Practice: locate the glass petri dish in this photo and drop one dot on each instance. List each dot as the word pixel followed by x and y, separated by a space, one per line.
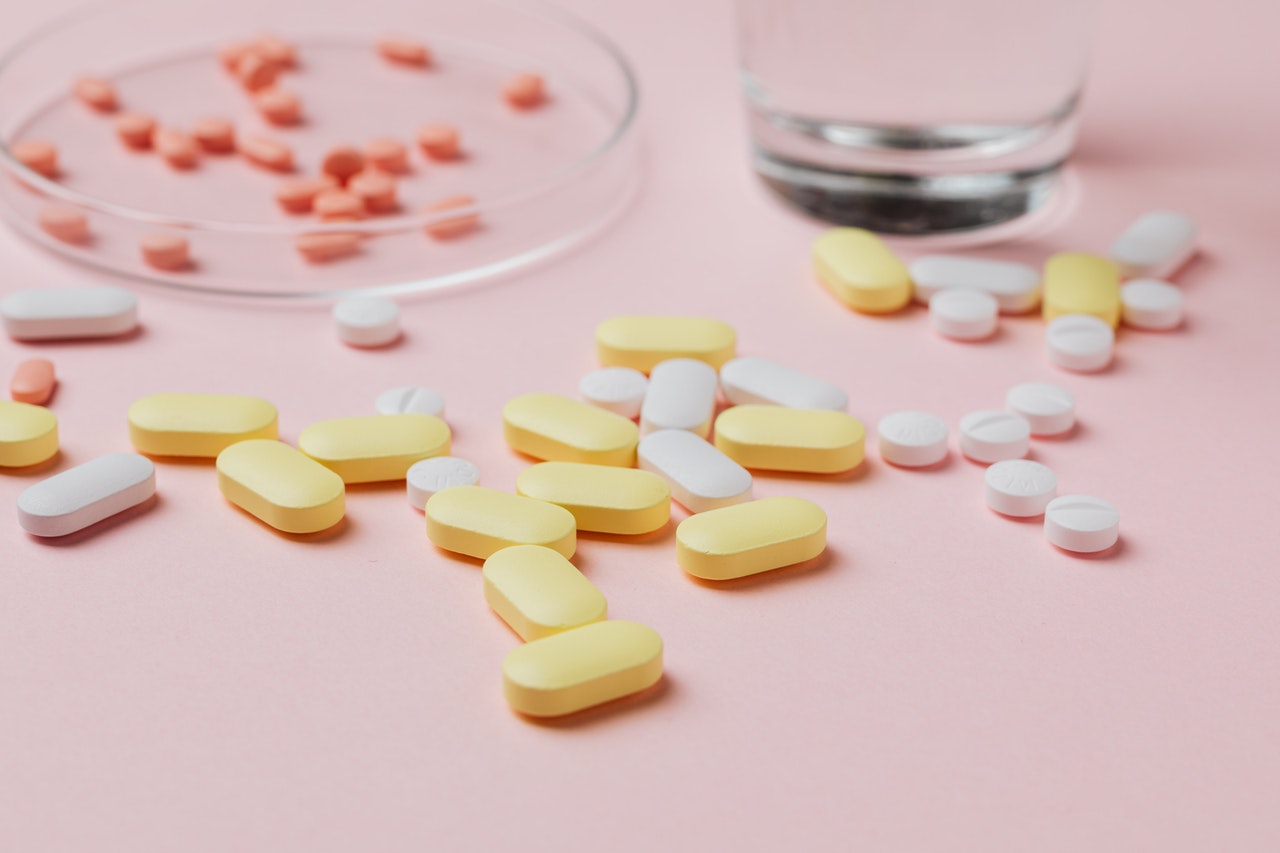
pixel 542 179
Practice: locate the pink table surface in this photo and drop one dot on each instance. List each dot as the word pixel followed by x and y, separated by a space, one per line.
pixel 185 679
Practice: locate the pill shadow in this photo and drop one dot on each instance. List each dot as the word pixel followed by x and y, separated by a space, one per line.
pixel 320 537
pixel 40 469
pixel 660 535
pixel 1122 546
pixel 818 565
pixel 1037 519
pixel 941 465
pixel 136 333
pixel 856 474
pixel 1077 430
pixel 100 528
pixel 662 690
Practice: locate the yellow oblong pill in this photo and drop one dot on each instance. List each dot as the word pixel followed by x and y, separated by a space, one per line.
pixel 477 521
pixel 1080 283
pixel 377 447
pixel 746 539
pixel 539 593
pixel 640 341
pixel 775 438
pixel 548 426
pixel 602 498
pixel 198 425
pixel 28 434
pixel 281 486
pixel 583 667
pixel 861 271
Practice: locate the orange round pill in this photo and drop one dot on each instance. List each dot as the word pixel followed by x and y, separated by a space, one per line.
pixel 278 106
pixel 376 189
pixel 438 141
pixel 321 248
pixel 177 148
pixel 96 93
pixel 165 250
pixel 230 54
pixel 452 226
pixel 254 72
pixel 37 155
pixel 33 382
pixel 524 91
pixel 296 195
pixel 65 223
pixel 267 153
pixel 338 206
pixel 275 50
pixel 404 51
pixel 135 129
pixel 215 135
pixel 389 155
pixel 342 163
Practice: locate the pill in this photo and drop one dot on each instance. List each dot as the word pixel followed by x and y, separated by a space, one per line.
pixel 751 379
pixel 198 425
pixel 538 592
pixel 749 538
pixel 229 54
pixel 86 494
pixel 72 312
pixel 297 195
pixel 963 314
pixel 1019 487
pixel 642 341
pixel 33 381
pixel 96 93
pixel 278 106
pixel 551 427
pixel 64 223
pixel 255 71
pixel 448 227
pixel 1080 283
pixel 912 439
pixel 404 51
pixel 389 155
pixel 1015 287
pixel 275 50
pixel 776 438
pixel 165 250
pixel 338 206
pixel 425 478
pixel 267 153
pixel 1147 303
pixel 215 135
pixel 581 668
pixel 410 398
pixel 1155 245
pixel 328 246
pixel 1079 342
pixel 135 129
pixel 602 498
pixel 28 434
pixel 681 395
pixel 375 189
pixel 619 390
pixel 991 435
pixel 478 522
pixel 438 141
pixel 1081 523
pixel 367 321
pixel 1049 410
pixel 524 91
pixel 176 148
pixel 38 156
pixel 700 476
pixel 375 448
pixel 342 162
pixel 281 486
pixel 861 270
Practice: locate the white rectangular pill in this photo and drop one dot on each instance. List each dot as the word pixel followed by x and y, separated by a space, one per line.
pixel 700 476
pixel 86 494
pixel 69 312
pixel 681 395
pixel 758 380
pixel 1155 245
pixel 1016 287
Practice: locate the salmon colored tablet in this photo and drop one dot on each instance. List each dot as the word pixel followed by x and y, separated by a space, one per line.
pixel 65 223
pixel 135 129
pixel 267 153
pixel 455 226
pixel 37 155
pixel 97 94
pixel 165 250
pixel 438 141
pixel 215 135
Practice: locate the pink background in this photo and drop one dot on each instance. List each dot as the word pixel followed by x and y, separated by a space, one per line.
pixel 186 679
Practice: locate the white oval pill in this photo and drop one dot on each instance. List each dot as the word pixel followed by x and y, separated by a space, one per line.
pixel 367 321
pixel 1016 287
pixel 1019 487
pixel 681 395
pixel 700 476
pixel 429 476
pixel 963 315
pixel 1148 303
pixel 1049 409
pixel 750 379
pixel 71 312
pixel 912 439
pixel 86 494
pixel 1155 245
pixel 619 390
pixel 1081 523
pixel 992 436
pixel 1079 342
pixel 410 399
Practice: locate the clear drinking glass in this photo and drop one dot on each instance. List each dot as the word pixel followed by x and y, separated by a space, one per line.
pixel 913 116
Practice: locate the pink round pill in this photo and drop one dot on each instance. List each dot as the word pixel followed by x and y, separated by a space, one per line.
pixel 97 94
pixel 177 148
pixel 524 91
pixel 278 106
pixel 438 141
pixel 404 51
pixel 33 382
pixel 455 226
pixel 376 189
pixel 322 248
pixel 65 223
pixel 342 163
pixel 254 72
pixel 36 155
pixel 267 153
pixel 215 135
pixel 296 195
pixel 165 250
pixel 389 155
pixel 275 50
pixel 135 129
pixel 338 206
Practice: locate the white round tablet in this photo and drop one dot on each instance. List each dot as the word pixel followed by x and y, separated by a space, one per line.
pixel 1019 487
pixel 410 399
pixel 1152 304
pixel 618 389
pixel 963 314
pixel 1049 409
pixel 428 476
pixel 912 439
pixel 993 436
pixel 367 321
pixel 1079 342
pixel 1081 523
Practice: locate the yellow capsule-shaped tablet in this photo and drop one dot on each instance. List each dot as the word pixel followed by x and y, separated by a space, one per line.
pixel 1080 283
pixel 281 486
pixel 28 434
pixel 641 341
pixel 602 498
pixel 577 669
pixel 861 271
pixel 539 593
pixel 775 438
pixel 477 521
pixel 199 425
pixel 375 448
pixel 745 539
pixel 548 426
